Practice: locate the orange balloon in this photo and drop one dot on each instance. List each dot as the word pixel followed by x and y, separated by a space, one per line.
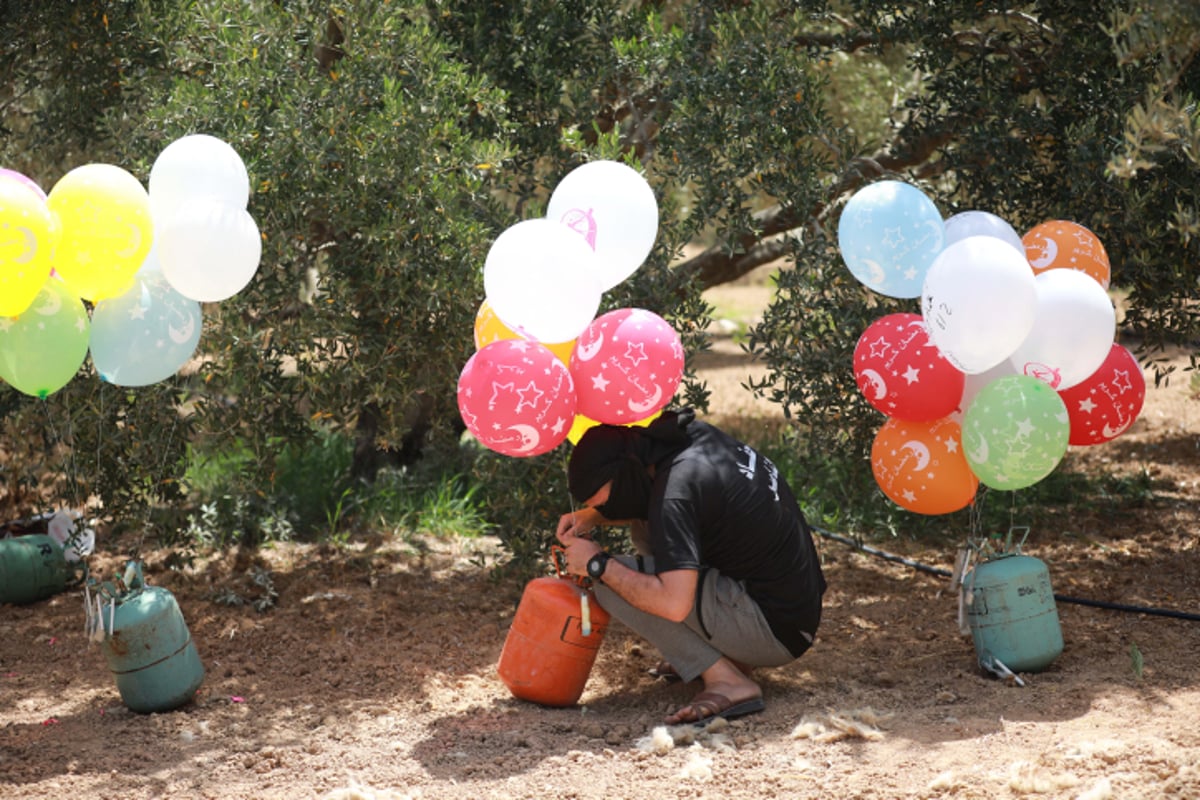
pixel 582 423
pixel 921 467
pixel 1059 244
pixel 490 328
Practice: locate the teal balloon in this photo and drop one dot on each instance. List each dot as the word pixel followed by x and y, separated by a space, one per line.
pixel 146 334
pixel 889 234
pixel 43 348
pixel 1015 432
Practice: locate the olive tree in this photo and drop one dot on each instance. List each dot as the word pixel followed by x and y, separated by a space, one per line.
pixel 390 143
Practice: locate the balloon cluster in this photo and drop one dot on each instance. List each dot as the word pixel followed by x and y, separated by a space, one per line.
pixel 1011 359
pixel 143 260
pixel 546 368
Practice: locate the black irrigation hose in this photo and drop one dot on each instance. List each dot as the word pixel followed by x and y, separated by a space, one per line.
pixel 1062 598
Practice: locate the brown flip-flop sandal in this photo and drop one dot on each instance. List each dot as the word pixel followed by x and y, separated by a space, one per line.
pixel 707 705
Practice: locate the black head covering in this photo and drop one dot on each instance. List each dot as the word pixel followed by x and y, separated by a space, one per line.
pixel 622 455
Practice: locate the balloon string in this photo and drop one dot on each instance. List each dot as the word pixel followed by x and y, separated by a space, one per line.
pixel 57 439
pixel 162 476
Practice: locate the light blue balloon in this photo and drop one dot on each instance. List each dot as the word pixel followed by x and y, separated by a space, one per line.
pixel 889 234
pixel 145 335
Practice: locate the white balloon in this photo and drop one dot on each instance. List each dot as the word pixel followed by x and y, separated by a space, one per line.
pixel 196 166
pixel 541 280
pixel 1073 329
pixel 975 383
pixel 209 250
pixel 612 207
pixel 981 223
pixel 978 301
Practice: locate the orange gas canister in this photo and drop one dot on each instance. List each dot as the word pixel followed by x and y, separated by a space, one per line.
pixel 553 641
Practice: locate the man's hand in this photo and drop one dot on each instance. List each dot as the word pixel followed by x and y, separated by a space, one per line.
pixel 577 523
pixel 578 551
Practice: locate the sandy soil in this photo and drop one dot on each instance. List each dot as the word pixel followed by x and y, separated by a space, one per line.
pixel 374 676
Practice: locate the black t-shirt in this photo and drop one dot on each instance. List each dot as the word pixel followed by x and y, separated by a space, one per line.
pixel 719 503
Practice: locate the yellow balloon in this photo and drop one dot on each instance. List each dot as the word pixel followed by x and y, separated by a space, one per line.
pixel 581 424
pixel 105 232
pixel 490 328
pixel 26 239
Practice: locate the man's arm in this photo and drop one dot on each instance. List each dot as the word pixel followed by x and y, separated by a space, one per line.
pixel 669 594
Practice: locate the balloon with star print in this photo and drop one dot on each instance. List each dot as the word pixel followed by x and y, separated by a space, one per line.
pixel 901 372
pixel 1062 244
pixel 1015 432
pixel 516 398
pixel 43 348
pixel 627 365
pixel 146 334
pixel 889 234
pixel 920 466
pixel 1105 404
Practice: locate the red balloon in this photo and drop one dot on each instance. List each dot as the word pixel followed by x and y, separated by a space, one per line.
pixel 921 467
pixel 627 365
pixel 517 398
pixel 902 373
pixel 1105 404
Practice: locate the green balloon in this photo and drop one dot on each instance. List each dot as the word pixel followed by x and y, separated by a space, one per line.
pixel 1015 432
pixel 43 348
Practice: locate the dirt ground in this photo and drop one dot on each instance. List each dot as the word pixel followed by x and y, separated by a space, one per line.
pixel 374 676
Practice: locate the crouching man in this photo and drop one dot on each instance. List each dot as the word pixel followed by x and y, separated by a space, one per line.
pixel 726 576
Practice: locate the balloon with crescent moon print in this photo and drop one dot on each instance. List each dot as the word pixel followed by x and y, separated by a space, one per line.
pixel 146 334
pixel 920 466
pixel 1073 329
pixel 889 233
pixel 901 372
pixel 1061 244
pixel 516 398
pixel 1105 404
pixel 41 350
pixel 1015 432
pixel 627 365
pixel 26 239
pixel 105 231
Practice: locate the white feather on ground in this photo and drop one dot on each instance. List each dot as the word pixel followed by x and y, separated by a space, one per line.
pixel 837 725
pixel 698 766
pixel 1027 778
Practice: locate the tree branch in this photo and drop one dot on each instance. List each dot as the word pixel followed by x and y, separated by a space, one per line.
pixel 727 262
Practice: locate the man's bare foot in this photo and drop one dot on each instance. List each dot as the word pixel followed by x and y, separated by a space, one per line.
pixel 727 693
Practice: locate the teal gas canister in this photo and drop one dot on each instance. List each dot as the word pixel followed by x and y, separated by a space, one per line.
pixel 1012 613
pixel 147 644
pixel 33 567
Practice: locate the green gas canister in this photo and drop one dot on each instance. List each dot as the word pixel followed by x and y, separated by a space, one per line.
pixel 1012 613
pixel 42 556
pixel 32 567
pixel 146 643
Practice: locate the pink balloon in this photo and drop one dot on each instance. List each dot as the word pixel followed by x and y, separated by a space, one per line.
pixel 1105 404
pixel 29 183
pixel 902 373
pixel 627 365
pixel 517 398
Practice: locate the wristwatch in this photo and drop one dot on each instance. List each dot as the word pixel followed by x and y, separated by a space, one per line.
pixel 597 564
